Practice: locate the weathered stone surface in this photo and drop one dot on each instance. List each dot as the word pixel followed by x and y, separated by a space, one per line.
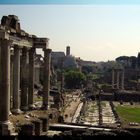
pixel 46 84
pixel 27 129
pixel 38 127
pixel 45 124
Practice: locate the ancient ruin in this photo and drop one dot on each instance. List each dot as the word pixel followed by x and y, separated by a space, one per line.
pixel 24 45
pixel 35 99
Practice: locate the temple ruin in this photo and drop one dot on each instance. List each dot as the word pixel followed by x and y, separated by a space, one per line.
pixel 23 45
pixel 117 78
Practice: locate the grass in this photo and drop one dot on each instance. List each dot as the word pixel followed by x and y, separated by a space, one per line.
pixel 103 104
pixel 128 113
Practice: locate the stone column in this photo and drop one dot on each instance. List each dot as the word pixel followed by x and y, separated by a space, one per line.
pixel 62 81
pixel 5 125
pixel 122 79
pixel 16 81
pixel 11 82
pixel 46 82
pixel 113 78
pixel 31 77
pixel 24 81
pixel 118 78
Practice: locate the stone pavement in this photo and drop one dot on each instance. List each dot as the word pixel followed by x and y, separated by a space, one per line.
pixel 72 107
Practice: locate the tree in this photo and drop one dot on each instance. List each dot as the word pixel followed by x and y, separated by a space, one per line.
pixel 133 61
pixel 74 79
pixel 138 60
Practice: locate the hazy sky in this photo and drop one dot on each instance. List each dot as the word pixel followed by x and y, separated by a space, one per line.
pixel 94 32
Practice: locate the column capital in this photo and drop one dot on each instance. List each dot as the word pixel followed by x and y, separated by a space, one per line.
pixel 16 47
pixel 4 34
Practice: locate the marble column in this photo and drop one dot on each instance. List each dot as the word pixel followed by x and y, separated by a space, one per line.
pixel 24 81
pixel 5 125
pixel 16 81
pixel 113 78
pixel 118 78
pixel 122 79
pixel 46 81
pixel 31 77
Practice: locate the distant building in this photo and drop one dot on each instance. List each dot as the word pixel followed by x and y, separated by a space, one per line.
pixel 62 61
pixel 70 62
pixel 57 59
pixel 67 50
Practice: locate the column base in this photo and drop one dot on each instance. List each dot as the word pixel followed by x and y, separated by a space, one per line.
pixel 44 107
pixel 32 107
pixel 16 111
pixel 24 108
pixel 10 113
pixel 6 128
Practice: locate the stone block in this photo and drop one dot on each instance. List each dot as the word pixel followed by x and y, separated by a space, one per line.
pixel 38 127
pixel 45 124
pixel 27 129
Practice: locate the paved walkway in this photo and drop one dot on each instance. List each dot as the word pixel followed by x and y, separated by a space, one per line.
pixel 72 107
pixel 91 115
pixel 77 113
pixel 107 114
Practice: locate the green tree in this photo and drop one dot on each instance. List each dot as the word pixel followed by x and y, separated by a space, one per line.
pixel 74 79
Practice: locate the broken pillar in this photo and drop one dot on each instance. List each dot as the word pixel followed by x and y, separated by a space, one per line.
pixel 45 123
pixel 27 129
pixel 38 127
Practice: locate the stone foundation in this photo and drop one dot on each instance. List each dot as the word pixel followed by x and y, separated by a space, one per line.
pixel 27 129
pixel 6 128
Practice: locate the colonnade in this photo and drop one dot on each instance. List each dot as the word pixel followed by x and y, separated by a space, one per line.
pixel 118 78
pixel 23 80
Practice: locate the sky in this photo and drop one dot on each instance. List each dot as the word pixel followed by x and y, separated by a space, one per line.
pixel 95 32
pixel 69 1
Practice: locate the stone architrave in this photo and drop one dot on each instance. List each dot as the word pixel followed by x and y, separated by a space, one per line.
pixel 5 125
pixel 24 81
pixel 31 77
pixel 46 81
